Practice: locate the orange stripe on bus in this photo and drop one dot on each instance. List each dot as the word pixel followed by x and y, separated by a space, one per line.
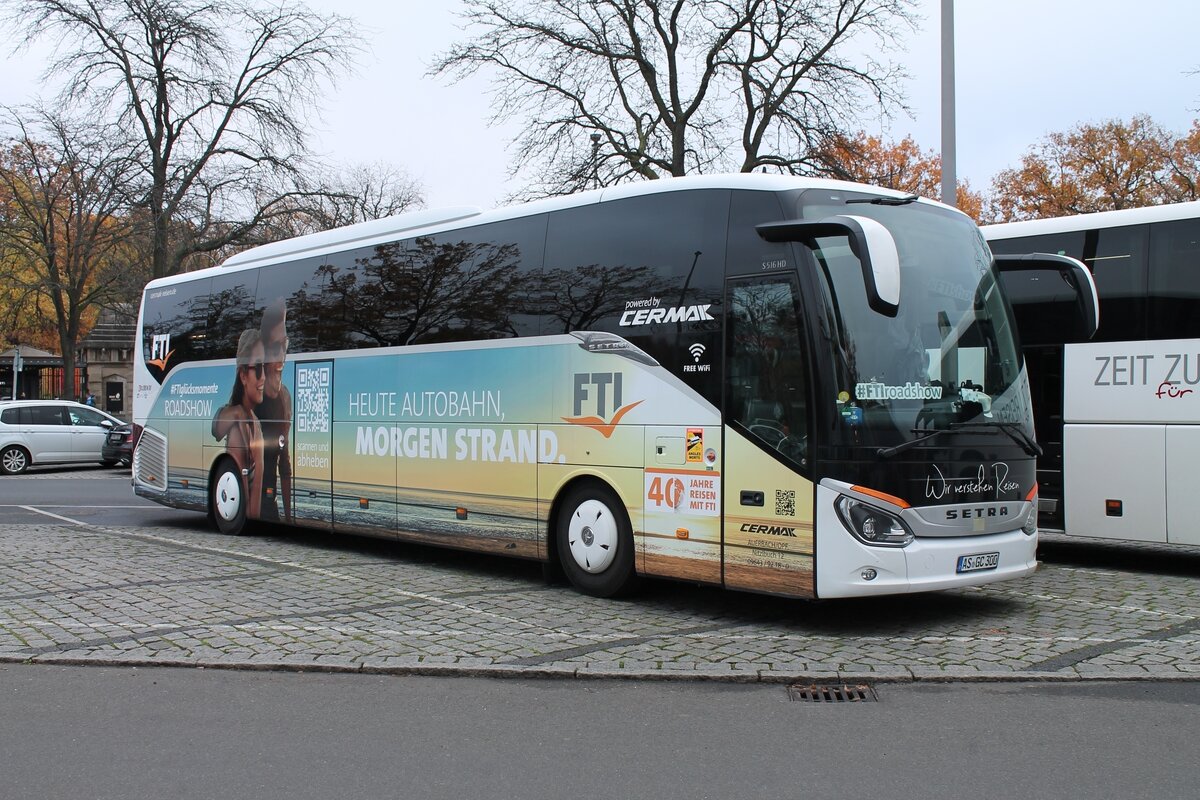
pixel 884 496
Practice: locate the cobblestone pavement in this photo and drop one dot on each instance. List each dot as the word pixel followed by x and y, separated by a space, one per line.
pixel 184 595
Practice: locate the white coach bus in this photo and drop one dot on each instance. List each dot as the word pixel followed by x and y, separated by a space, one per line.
pixel 1119 416
pixel 775 384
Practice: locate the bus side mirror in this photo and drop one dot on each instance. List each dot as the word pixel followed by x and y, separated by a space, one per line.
pixel 1053 297
pixel 870 242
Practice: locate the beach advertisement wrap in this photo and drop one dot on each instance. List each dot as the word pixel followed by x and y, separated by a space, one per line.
pixel 769 521
pixel 469 446
pixel 434 443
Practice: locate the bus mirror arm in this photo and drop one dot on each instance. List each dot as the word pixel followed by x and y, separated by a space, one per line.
pixel 1073 272
pixel 870 242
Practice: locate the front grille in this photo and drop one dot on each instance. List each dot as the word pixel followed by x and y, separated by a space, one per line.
pixel 150 461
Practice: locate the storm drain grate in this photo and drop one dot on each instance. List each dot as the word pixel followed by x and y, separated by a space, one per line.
pixel 832 693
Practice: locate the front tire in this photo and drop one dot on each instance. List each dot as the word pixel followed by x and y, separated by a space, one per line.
pixel 595 542
pixel 227 499
pixel 14 460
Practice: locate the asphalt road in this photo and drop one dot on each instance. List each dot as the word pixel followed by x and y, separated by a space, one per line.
pixel 104 732
pixel 91 494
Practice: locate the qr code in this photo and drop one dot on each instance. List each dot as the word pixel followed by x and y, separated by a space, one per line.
pixel 312 399
pixel 785 502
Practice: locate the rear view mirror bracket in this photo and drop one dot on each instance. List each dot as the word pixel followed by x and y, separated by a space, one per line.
pixel 870 242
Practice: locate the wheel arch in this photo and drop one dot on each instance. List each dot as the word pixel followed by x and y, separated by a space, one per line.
pixel 563 491
pixel 23 449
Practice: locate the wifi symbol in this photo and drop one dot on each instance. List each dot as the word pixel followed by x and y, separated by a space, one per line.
pixel 697 350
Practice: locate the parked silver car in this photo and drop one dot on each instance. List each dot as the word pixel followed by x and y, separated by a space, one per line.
pixel 51 432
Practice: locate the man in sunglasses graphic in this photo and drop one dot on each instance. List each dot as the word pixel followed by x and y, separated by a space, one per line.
pixel 273 413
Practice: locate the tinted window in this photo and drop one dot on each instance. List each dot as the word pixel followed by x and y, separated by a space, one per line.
pixel 174 325
pixel 85 416
pixel 9 416
pixel 1117 259
pixel 663 251
pixel 478 283
pixel 230 311
pixel 1174 280
pixel 296 285
pixel 47 415
pixel 749 253
pixel 767 393
pixel 650 269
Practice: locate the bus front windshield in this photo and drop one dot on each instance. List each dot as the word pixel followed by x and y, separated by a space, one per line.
pixel 948 358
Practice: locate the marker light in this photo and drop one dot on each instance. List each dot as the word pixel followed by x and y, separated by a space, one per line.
pixel 1031 521
pixel 872 525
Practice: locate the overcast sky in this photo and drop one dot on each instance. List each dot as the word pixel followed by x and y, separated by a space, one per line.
pixel 1024 68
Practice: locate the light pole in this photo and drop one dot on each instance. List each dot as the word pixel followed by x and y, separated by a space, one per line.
pixel 949 181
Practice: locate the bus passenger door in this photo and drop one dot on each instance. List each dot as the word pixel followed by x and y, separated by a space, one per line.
pixel 312 444
pixel 767 541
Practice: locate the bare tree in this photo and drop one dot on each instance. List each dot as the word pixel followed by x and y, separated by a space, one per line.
pixel 667 87
pixel 346 195
pixel 63 234
pixel 217 92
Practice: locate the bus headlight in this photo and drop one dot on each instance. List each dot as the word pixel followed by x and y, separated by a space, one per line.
pixel 871 525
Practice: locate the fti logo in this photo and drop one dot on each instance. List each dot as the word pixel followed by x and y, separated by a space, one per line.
pixel 160 351
pixel 601 391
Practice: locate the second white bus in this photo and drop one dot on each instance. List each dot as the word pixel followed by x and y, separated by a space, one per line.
pixel 1118 417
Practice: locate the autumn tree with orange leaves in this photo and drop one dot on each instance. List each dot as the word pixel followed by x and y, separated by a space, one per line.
pixel 1099 167
pixel 64 236
pixel 903 166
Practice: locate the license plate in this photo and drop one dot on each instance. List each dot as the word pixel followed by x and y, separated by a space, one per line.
pixel 978 561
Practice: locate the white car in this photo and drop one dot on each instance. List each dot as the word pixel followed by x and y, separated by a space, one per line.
pixel 51 432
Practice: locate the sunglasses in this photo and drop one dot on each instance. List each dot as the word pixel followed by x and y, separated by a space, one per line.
pixel 257 369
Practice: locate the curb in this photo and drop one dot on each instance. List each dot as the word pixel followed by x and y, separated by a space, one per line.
pixel 552 673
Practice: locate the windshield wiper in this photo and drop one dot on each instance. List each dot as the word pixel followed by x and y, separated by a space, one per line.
pixel 888 452
pixel 885 201
pixel 1015 433
pixel 1011 429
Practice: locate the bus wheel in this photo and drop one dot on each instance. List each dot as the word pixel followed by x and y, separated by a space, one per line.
pixel 595 542
pixel 227 499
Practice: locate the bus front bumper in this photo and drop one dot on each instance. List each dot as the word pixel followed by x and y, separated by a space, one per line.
pixel 848 568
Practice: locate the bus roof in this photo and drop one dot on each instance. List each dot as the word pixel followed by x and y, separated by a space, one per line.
pixel 1101 219
pixel 428 222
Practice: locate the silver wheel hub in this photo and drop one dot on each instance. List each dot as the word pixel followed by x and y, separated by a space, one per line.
pixel 228 496
pixel 593 536
pixel 14 460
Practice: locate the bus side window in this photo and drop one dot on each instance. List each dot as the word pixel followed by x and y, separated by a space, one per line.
pixel 1174 280
pixel 297 285
pixel 230 311
pixel 477 283
pixel 767 392
pixel 175 325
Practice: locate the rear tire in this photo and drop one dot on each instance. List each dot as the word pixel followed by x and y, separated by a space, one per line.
pixel 595 541
pixel 14 460
pixel 227 499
